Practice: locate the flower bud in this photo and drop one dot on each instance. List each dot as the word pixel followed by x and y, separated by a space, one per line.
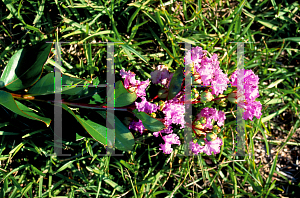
pixel 220 100
pixel 195 93
pixel 222 104
pixel 153 115
pixel 161 105
pixel 196 79
pixel 216 129
pixel 201 142
pixel 132 89
pixel 163 93
pixel 197 122
pixel 203 120
pixel 197 127
pixel 211 136
pixel 232 97
pixel 206 96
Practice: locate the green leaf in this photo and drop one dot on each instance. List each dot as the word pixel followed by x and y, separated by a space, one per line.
pixel 149 122
pixel 261 21
pixel 8 133
pixel 294 39
pixel 79 137
pixel 34 169
pixel 96 98
pixel 46 85
pixel 7 100
pixel 124 138
pixel 25 67
pixel 127 47
pixel 122 96
pixel 269 117
pixel 113 184
pixel 66 165
pixel 13 171
pixel 273 84
pixel 175 84
pixel 97 131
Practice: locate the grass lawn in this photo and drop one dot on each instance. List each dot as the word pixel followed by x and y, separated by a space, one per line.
pixel 145 34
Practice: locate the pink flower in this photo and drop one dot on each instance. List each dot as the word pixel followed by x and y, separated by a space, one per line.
pixel 137 126
pixel 129 78
pixel 208 69
pixel 130 82
pixel 212 146
pixel 249 87
pixel 172 139
pixel 167 131
pixel 252 108
pixel 211 113
pixel 196 148
pixel 166 148
pixel 169 140
pixel 221 118
pixel 219 82
pixel 174 114
pixel 160 75
pixel 208 148
pixel 196 55
pixel 141 88
pixel 145 106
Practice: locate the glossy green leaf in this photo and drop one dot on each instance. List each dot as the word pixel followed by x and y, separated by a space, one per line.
pixel 122 96
pixel 7 100
pixel 149 122
pixel 25 67
pixel 175 84
pixel 46 85
pixel 97 131
pixel 124 138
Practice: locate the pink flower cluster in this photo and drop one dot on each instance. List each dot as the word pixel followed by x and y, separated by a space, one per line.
pixel 210 74
pixel 208 69
pixel 161 75
pixel 208 148
pixel 247 92
pixel 211 113
pixel 131 83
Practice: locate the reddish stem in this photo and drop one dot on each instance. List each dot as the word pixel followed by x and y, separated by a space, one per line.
pixel 154 98
pixel 219 98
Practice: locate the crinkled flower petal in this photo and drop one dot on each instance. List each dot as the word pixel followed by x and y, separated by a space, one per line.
pixel 166 148
pixel 172 139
